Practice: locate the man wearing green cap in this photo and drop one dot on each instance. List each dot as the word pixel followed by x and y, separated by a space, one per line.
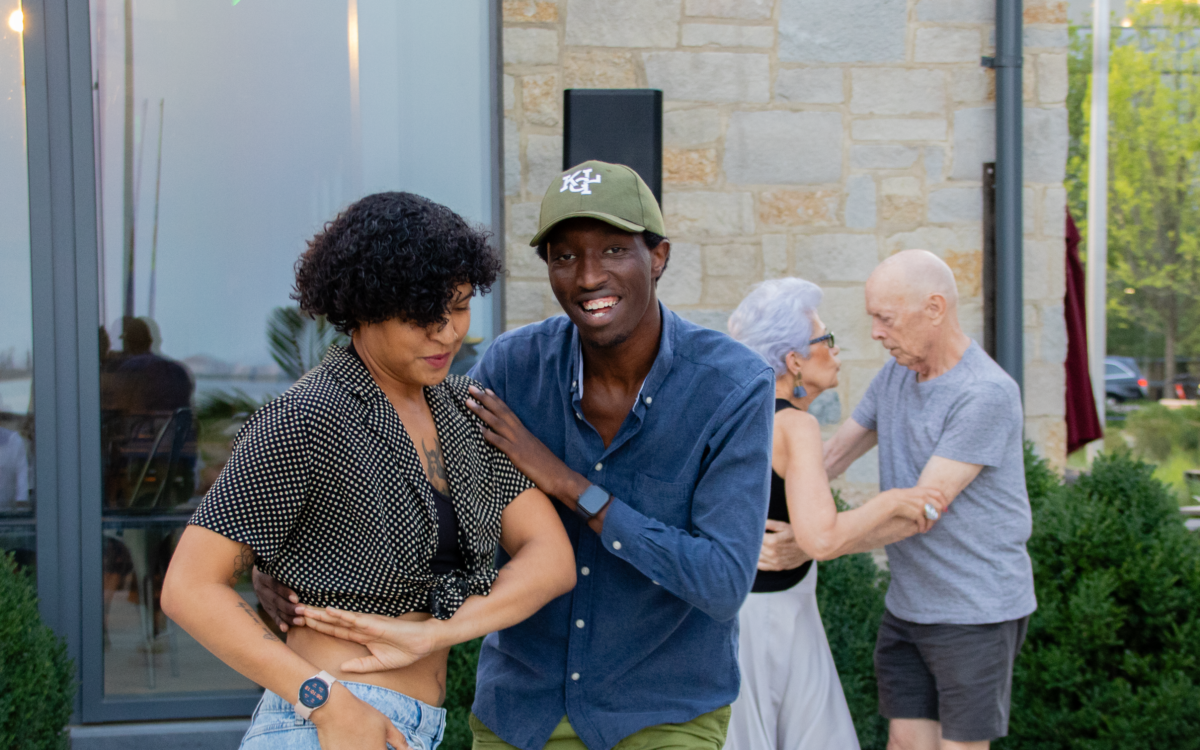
pixel 654 435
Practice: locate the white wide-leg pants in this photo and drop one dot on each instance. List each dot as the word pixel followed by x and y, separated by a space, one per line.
pixel 791 697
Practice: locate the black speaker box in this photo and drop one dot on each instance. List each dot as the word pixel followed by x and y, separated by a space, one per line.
pixel 620 126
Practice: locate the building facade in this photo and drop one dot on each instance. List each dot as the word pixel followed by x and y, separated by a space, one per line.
pixel 811 138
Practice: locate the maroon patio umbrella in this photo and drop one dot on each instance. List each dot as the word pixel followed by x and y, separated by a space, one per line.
pixel 1083 424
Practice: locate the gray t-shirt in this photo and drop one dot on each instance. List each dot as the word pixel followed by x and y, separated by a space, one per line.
pixel 972 567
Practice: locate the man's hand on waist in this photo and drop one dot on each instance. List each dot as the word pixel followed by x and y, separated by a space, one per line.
pixel 779 550
pixel 277 600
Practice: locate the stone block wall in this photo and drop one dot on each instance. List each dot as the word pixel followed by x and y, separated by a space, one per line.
pixel 810 138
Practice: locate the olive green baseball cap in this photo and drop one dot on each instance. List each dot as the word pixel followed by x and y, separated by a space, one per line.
pixel 612 193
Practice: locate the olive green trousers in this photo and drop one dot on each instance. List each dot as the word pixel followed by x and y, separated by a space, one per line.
pixel 705 732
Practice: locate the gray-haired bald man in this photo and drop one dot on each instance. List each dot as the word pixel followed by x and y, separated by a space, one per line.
pixel 944 415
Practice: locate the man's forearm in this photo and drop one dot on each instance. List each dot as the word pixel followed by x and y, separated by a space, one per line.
pixel 711 574
pixel 848 444
pixel 568 486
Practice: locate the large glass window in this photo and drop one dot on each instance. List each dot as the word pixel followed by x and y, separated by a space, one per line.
pixel 226 134
pixel 17 519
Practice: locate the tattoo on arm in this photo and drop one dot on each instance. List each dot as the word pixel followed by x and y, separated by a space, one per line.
pixel 267 634
pixel 242 564
pixel 436 470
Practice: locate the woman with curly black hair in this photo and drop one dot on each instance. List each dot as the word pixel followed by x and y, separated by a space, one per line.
pixel 369 488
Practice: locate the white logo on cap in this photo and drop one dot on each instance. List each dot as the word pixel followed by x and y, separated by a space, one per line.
pixel 579 181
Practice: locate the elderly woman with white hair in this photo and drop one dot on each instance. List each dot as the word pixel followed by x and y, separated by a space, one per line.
pixel 791 697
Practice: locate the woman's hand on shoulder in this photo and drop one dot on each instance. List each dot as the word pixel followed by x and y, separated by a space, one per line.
pixel 910 503
pixel 347 723
pixel 393 643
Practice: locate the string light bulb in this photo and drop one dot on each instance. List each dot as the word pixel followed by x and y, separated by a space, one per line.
pixel 16 21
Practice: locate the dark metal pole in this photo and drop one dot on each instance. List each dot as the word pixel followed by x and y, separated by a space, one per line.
pixel 1010 326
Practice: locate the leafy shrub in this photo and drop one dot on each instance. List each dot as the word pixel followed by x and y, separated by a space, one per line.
pixel 850 594
pixel 37 680
pixel 460 694
pixel 1112 658
pixel 1158 431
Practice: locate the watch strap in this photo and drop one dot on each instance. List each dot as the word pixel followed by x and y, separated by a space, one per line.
pixel 305 712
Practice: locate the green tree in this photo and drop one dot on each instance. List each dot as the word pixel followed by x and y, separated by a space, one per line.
pixel 1079 76
pixel 1154 174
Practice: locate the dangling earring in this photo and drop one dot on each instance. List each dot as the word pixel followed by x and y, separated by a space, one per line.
pixel 799 391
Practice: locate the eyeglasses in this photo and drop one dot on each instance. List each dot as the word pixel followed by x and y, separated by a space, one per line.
pixel 827 338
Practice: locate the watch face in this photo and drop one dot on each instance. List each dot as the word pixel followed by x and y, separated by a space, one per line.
pixel 314 692
pixel 593 500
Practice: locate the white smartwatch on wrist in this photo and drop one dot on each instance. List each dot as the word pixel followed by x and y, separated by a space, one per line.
pixel 314 693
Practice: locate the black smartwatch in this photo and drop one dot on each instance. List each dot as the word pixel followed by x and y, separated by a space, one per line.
pixel 592 501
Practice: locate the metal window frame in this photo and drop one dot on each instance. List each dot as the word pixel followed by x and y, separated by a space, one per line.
pixel 496 61
pixel 66 377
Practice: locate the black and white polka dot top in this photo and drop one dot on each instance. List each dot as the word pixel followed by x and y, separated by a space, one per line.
pixel 325 486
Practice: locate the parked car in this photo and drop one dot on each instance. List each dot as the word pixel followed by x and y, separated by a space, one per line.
pixel 1123 380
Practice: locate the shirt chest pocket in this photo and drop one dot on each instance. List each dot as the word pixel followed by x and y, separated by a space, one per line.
pixel 669 502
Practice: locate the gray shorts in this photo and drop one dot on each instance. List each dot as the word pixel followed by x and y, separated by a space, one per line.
pixel 960 675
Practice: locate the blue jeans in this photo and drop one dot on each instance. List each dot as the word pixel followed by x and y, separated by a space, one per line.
pixel 275 725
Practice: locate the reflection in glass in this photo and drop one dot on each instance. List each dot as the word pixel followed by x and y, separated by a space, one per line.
pixel 17 520
pixel 226 133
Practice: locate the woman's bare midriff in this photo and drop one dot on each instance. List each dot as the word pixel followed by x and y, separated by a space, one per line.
pixel 425 680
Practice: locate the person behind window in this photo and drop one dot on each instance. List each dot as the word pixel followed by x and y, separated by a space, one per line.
pixel 14 472
pixel 791 698
pixel 369 487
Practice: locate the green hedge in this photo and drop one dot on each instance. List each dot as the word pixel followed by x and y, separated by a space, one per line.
pixel 37 680
pixel 1112 659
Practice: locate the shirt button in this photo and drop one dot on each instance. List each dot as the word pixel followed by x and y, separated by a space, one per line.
pixel 599 467
pixel 578 415
pixel 649 400
pixel 579 623
pixel 574 383
pixel 656 583
pixel 586 570
pixel 575 676
pixel 616 545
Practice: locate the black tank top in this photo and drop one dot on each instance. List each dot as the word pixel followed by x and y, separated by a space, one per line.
pixel 448 556
pixel 779 580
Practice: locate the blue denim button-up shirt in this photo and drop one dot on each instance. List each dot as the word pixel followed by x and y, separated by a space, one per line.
pixel 649 634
